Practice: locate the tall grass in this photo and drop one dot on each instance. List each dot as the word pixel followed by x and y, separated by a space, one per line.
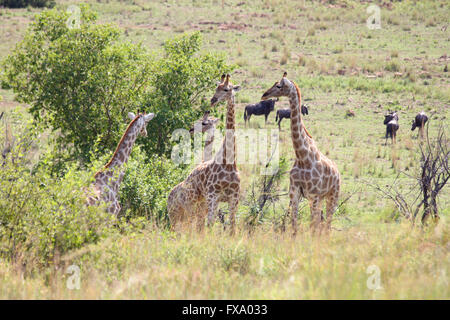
pixel 157 264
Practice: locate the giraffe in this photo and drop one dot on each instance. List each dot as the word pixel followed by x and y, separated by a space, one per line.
pixel 107 180
pixel 213 181
pixel 208 125
pixel 313 175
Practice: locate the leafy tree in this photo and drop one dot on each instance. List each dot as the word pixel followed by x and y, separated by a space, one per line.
pixel 80 82
pixel 180 81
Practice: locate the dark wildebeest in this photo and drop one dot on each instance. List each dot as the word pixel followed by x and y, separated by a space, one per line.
pixel 419 122
pixel 286 113
pixel 258 109
pixel 391 122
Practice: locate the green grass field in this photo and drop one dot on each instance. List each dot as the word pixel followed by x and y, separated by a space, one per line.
pixel 339 64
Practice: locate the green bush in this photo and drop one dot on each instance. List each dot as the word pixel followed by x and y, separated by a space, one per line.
pixel 181 79
pixel 26 3
pixel 146 186
pixel 80 82
pixel 42 217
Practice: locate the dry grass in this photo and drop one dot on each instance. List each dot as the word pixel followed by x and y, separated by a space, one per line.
pixel 266 265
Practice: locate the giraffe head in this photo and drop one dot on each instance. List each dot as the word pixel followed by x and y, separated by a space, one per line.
pixel 142 121
pixel 206 122
pixel 280 88
pixel 225 90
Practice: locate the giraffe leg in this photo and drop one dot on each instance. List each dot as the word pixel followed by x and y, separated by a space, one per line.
pixel 201 214
pixel 212 207
pixel 294 198
pixel 315 205
pixel 332 202
pixel 176 219
pixel 233 205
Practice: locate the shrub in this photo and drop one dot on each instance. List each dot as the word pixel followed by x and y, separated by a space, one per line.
pixel 262 192
pixel 146 186
pixel 80 82
pixel 42 217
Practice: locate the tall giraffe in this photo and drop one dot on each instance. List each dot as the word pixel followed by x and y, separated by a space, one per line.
pixel 213 181
pixel 107 180
pixel 313 175
pixel 208 125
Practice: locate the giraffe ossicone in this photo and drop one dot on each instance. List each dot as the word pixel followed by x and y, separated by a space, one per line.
pixel 107 181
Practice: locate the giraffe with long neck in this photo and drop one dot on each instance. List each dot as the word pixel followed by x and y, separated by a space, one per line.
pixel 208 125
pixel 213 181
pixel 107 180
pixel 313 175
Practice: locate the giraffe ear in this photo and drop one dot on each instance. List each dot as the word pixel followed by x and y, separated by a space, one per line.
pixel 149 117
pixel 236 88
pixel 131 115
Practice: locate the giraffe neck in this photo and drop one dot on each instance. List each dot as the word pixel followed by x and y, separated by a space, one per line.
pixel 300 137
pixel 228 150
pixel 122 152
pixel 209 142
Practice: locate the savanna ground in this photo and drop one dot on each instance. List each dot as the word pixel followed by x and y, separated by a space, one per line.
pixel 339 64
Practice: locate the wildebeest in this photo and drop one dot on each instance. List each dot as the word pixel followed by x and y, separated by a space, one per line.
pixel 286 113
pixel 391 122
pixel 258 109
pixel 419 122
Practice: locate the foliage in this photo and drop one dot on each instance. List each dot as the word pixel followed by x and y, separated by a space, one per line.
pixel 82 81
pixel 263 191
pixel 146 186
pixel 78 81
pixel 26 3
pixel 42 217
pixel 181 78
